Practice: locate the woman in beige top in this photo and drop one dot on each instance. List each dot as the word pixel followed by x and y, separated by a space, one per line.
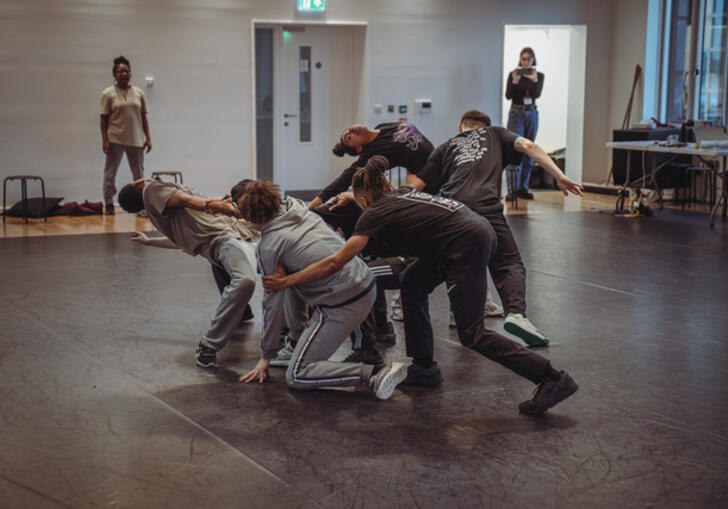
pixel 124 128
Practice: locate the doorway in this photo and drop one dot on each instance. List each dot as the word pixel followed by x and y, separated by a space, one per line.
pixel 309 86
pixel 561 55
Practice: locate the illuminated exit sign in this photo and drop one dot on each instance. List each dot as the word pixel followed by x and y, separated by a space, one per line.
pixel 311 5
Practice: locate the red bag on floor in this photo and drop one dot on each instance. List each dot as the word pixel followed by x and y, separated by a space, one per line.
pixel 86 208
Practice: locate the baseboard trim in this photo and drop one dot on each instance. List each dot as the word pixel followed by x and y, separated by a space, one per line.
pixel 601 189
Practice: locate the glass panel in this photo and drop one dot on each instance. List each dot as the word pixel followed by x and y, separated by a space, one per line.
pixel 264 103
pixel 304 89
pixel 713 58
pixel 677 63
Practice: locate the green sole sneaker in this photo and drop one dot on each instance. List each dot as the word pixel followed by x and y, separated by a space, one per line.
pixel 522 327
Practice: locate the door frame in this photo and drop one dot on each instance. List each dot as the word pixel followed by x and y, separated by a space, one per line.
pixel 279 23
pixel 576 105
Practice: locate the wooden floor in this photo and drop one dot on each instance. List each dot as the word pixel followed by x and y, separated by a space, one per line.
pixel 544 201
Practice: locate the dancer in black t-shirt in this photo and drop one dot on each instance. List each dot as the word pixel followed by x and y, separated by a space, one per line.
pixel 467 168
pixel 453 245
pixel 403 145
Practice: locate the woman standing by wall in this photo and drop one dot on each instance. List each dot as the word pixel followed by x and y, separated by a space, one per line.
pixel 523 88
pixel 124 129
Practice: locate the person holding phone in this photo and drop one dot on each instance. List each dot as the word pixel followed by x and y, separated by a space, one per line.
pixel 524 86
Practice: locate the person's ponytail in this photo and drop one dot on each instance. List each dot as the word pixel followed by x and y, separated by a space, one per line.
pixel 371 177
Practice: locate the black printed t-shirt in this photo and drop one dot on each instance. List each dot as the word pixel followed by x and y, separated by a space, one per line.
pixel 412 223
pixel 467 167
pixel 402 144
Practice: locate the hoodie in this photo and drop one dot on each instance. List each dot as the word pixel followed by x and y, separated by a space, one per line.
pixel 295 239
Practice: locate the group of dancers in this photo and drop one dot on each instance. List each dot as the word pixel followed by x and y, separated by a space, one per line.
pixel 325 266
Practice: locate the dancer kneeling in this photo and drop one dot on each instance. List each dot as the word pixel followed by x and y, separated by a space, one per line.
pixel 453 245
pixel 292 238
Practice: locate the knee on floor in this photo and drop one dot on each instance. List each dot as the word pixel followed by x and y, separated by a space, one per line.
pixel 291 379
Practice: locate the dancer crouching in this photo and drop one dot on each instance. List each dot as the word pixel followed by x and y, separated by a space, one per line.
pixel 292 238
pixel 453 245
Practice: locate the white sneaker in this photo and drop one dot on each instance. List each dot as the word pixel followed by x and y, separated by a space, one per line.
pixel 388 378
pixel 283 357
pixel 397 314
pixel 396 306
pixel 492 309
pixel 520 326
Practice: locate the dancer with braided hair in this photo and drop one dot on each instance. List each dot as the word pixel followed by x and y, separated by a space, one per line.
pixel 403 145
pixel 453 245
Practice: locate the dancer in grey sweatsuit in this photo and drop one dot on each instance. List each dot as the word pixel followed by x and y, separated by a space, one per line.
pixel 291 239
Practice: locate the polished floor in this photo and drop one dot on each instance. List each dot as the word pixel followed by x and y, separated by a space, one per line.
pixel 102 406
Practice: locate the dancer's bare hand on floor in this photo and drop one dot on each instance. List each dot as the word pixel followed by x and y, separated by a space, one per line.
pixel 569 186
pixel 342 199
pixel 277 281
pixel 259 372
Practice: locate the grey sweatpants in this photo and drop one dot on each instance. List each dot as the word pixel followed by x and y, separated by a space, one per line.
pixel 238 258
pixel 135 156
pixel 327 329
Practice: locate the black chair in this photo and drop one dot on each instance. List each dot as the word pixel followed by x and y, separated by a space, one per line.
pixel 173 174
pixel 512 184
pixel 681 180
pixel 24 193
pixel 706 173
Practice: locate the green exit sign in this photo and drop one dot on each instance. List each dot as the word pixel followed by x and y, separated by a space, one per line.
pixel 311 5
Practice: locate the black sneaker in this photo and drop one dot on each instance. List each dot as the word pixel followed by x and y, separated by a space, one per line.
pixel 109 209
pixel 511 196
pixel 525 194
pixel 426 377
pixel 205 357
pixel 548 393
pixel 386 334
pixel 372 357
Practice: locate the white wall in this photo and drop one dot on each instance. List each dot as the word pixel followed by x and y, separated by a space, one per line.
pixel 628 50
pixel 56 58
pixel 576 104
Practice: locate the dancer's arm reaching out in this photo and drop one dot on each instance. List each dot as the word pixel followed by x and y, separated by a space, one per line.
pixel 542 158
pixel 142 238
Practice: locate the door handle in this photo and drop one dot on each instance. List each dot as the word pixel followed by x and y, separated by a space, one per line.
pixel 289 115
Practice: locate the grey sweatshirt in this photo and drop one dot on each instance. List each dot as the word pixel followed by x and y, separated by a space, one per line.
pixel 295 239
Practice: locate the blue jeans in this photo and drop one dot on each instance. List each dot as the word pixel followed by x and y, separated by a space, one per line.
pixel 524 123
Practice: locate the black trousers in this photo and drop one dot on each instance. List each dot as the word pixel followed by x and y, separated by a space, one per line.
pixel 464 273
pixel 222 278
pixel 387 271
pixel 344 217
pixel 506 266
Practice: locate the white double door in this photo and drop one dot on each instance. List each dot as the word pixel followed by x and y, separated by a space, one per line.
pixel 318 89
